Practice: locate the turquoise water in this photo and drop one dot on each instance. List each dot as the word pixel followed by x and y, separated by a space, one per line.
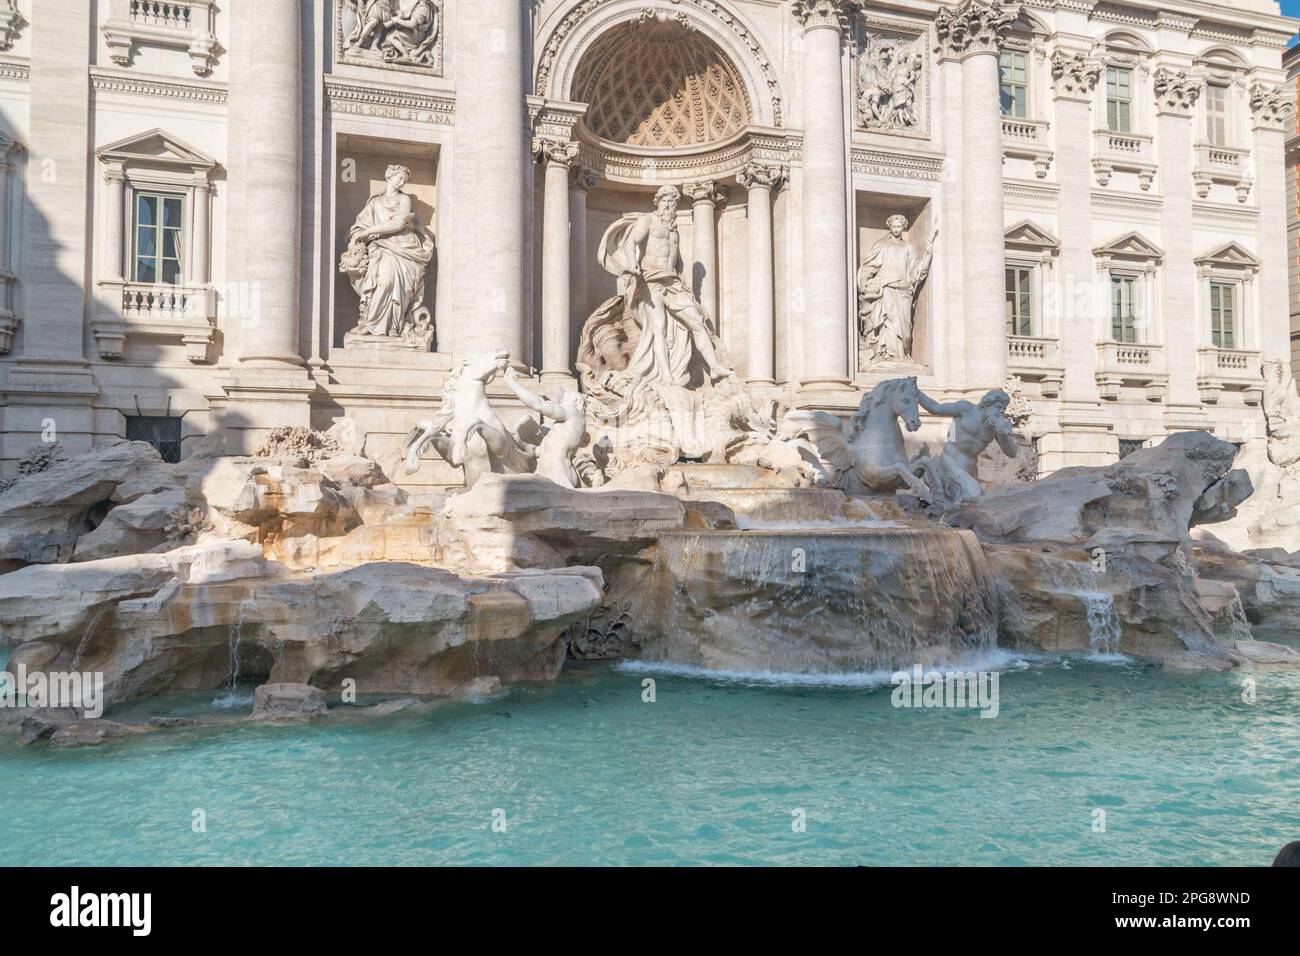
pixel 711 772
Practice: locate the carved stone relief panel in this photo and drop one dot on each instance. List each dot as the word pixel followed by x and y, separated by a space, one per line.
pixel 391 34
pixel 891 79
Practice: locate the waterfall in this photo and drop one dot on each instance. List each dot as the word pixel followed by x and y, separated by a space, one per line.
pixel 804 600
pixel 1103 623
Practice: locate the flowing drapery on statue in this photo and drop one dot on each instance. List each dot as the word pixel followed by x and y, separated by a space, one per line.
pixel 654 305
pixel 887 284
pixel 387 257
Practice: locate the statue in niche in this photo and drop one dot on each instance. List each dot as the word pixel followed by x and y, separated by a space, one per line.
pixel 887 285
pixel 953 474
pixel 402 36
pixel 889 75
pixel 660 387
pixel 387 256
pixel 643 250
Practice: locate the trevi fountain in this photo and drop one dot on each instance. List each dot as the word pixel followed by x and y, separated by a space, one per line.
pixel 767 432
pixel 656 578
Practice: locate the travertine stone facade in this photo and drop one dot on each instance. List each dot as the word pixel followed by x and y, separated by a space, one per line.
pixel 181 182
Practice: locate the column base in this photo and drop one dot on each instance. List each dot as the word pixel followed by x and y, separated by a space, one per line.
pixel 835 394
pixel 260 399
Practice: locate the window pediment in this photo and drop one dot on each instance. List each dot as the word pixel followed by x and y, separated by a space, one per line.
pixel 157 148
pixel 1131 246
pixel 1030 237
pixel 1229 255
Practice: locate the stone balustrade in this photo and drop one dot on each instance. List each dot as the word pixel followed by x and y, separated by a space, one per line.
pixel 1036 358
pixel 1219 370
pixel 1125 152
pixel 1027 139
pixel 1221 164
pixel 179 24
pixel 1133 364
pixel 187 313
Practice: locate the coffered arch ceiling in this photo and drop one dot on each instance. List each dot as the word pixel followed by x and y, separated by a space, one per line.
pixel 658 85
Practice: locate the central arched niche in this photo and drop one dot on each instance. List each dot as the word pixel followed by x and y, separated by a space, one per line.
pixel 660 84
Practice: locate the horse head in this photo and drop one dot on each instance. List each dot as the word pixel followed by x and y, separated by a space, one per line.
pixel 904 400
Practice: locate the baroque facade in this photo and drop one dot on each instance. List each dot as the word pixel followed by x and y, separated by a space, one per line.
pixel 221 217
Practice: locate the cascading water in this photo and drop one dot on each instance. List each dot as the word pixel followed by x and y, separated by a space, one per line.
pixel 1103 623
pixel 232 697
pixel 815 600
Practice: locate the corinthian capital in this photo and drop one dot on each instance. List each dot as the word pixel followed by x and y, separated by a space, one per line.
pixel 973 27
pixel 1176 91
pixel 707 191
pixel 551 152
pixel 1271 106
pixel 825 13
pixel 1074 75
pixel 758 175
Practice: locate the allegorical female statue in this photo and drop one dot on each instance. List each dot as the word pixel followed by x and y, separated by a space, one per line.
pixel 887 284
pixel 387 256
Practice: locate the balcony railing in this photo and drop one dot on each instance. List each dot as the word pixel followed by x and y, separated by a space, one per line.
pixel 1129 363
pixel 1221 164
pixel 1126 152
pixel 187 313
pixel 1235 370
pixel 1036 358
pixel 178 24
pixel 1027 139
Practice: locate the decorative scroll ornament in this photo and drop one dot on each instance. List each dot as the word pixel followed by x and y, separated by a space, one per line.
pixel 1074 74
pixel 1176 91
pixel 1271 106
pixel 825 13
pixel 973 27
pixel 759 175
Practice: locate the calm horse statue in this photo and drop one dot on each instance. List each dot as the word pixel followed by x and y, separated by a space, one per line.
pixel 866 454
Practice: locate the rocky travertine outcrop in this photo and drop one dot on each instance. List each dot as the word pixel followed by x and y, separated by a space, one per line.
pixel 1142 505
pixel 42 515
pixel 1058 600
pixel 1269 590
pixel 526 521
pixel 208 616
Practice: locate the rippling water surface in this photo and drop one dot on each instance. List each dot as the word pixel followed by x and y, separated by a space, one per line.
pixel 713 772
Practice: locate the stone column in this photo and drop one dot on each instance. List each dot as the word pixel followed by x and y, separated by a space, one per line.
pixel 825 296
pixel 1075 76
pixel 8 325
pixel 556 292
pixel 197 274
pixel 112 264
pixel 491 161
pixel 50 388
pixel 761 181
pixel 581 181
pixel 272 99
pixel 706 197
pixel 1271 117
pixel 1176 96
pixel 973 33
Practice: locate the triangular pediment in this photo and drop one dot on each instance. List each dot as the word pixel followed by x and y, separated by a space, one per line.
pixel 157 146
pixel 1231 254
pixel 1131 245
pixel 1029 234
